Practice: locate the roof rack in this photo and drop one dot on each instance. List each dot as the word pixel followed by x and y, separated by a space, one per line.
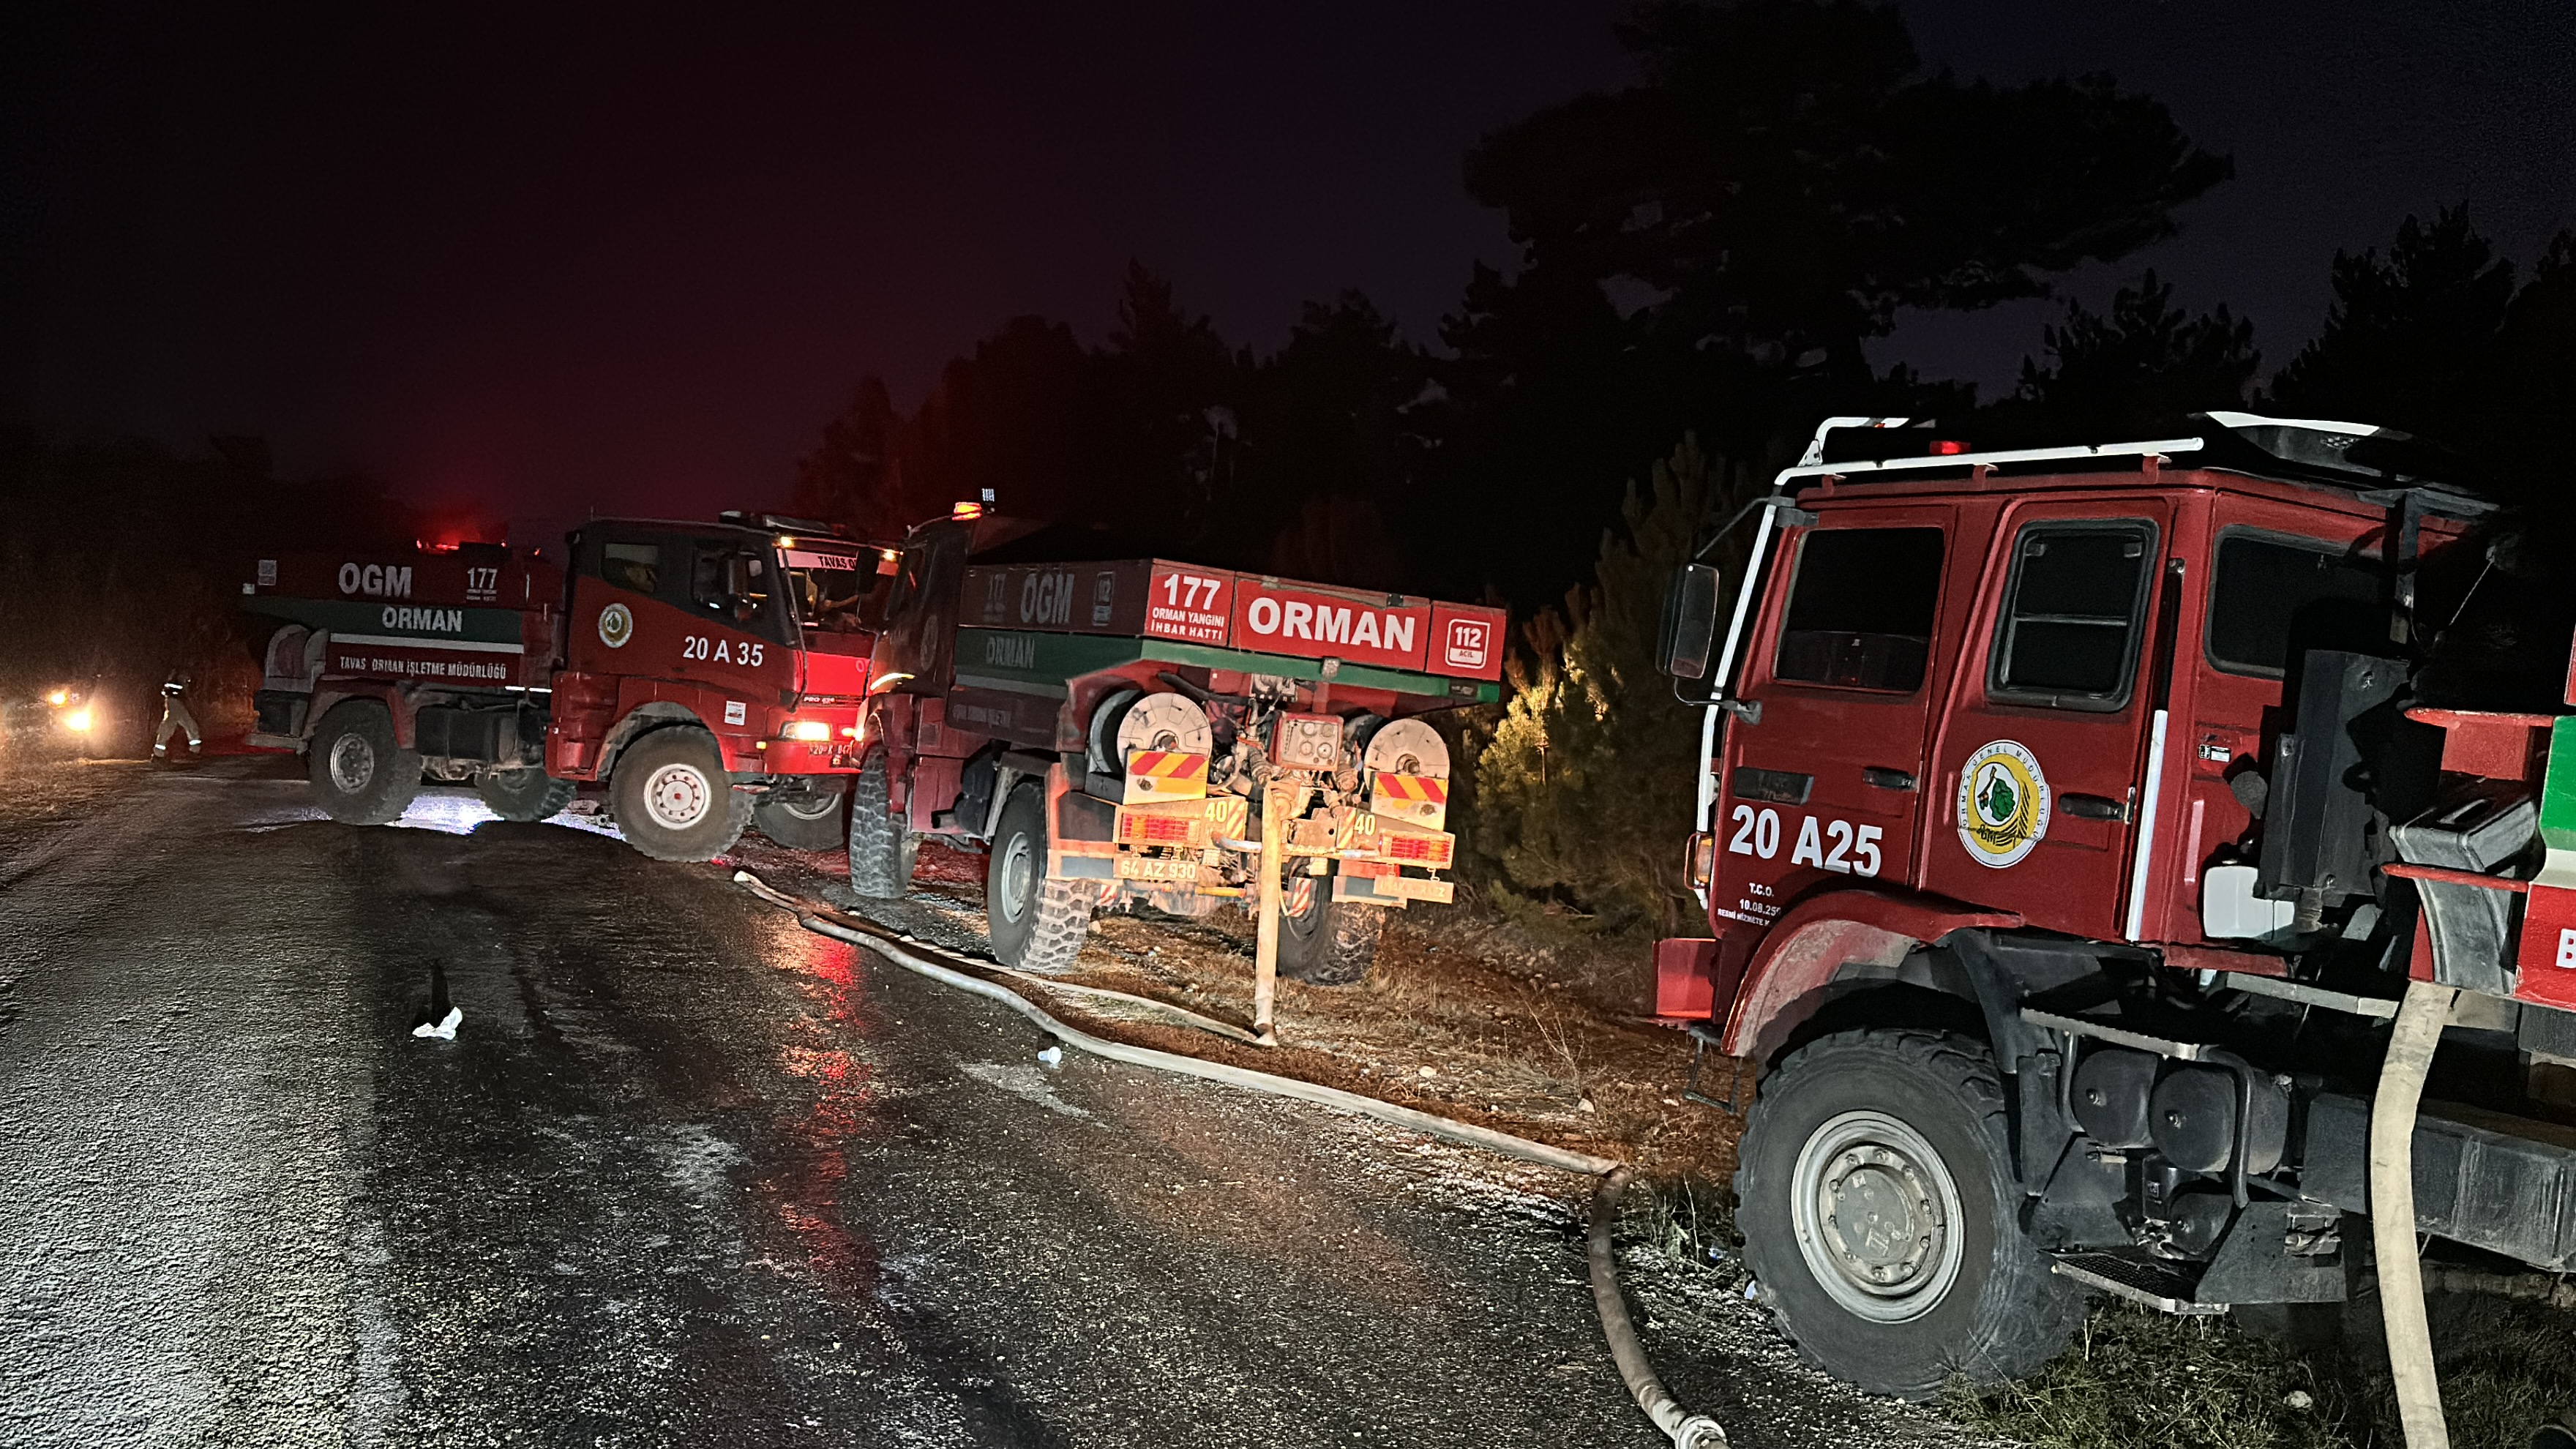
pixel 780 523
pixel 1811 464
pixel 2379 464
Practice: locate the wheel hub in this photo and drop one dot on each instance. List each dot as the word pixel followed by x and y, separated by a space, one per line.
pixel 1019 876
pixel 1877 1214
pixel 353 763
pixel 678 796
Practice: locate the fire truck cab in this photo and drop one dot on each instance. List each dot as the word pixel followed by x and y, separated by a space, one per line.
pixel 709 674
pixel 2050 817
pixel 713 675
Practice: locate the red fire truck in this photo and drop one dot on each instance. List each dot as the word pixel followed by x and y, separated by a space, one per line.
pixel 710 674
pixel 1107 727
pixel 2075 830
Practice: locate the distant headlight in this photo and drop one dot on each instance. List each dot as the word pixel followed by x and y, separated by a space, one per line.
pixel 808 729
pixel 77 720
pixel 59 696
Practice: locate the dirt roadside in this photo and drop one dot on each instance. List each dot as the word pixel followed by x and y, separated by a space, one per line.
pixel 1447 1022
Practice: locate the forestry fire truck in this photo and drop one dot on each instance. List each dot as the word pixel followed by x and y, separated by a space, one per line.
pixel 2093 865
pixel 1107 729
pixel 710 674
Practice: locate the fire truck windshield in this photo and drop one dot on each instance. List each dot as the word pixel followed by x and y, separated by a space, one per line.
pixel 830 589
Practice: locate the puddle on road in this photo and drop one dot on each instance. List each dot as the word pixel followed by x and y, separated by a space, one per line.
pixel 694 1161
pixel 809 1165
pixel 447 811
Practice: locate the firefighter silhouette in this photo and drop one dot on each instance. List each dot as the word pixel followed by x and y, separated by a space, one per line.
pixel 175 716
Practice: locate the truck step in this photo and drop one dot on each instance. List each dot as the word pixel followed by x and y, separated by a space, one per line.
pixel 2154 1282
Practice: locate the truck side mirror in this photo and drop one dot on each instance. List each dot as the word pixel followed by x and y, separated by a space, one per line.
pixel 737 588
pixel 1690 622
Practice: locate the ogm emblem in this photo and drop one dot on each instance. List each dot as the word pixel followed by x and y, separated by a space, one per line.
pixel 616 626
pixel 2003 804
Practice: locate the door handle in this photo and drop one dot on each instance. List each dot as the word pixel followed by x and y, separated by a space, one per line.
pixel 2094 807
pixel 1886 779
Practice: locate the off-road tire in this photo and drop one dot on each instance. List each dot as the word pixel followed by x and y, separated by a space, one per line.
pixel 361 776
pixel 524 795
pixel 882 845
pixel 683 763
pixel 2002 1316
pixel 1036 924
pixel 1334 943
pixel 803 821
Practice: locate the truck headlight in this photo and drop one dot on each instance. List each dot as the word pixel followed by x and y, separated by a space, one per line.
pixel 807 729
pixel 77 720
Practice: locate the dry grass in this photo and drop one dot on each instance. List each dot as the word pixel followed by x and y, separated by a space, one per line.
pixel 1690 1220
pixel 2141 1378
pixel 1516 1038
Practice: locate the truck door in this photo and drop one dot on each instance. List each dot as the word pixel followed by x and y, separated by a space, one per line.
pixel 921 613
pixel 628 595
pixel 1826 781
pixel 2039 764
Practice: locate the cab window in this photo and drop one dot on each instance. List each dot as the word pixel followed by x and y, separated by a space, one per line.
pixel 1860 614
pixel 912 574
pixel 636 566
pixel 732 583
pixel 2272 594
pixel 2072 614
pixel 829 589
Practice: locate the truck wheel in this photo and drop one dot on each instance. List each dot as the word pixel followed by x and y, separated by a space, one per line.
pixel 1334 943
pixel 524 795
pixel 363 777
pixel 1876 1198
pixel 801 821
pixel 672 796
pixel 1037 924
pixel 882 845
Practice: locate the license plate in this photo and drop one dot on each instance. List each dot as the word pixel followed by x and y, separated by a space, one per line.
pixel 1414 888
pixel 1158 870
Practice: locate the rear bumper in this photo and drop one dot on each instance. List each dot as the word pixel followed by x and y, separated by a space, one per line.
pixel 747 755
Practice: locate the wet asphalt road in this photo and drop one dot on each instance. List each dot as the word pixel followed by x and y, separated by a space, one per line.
pixel 686 1175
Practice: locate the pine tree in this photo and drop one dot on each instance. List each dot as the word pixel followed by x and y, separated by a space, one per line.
pixel 2408 333
pixel 1581 791
pixel 2133 370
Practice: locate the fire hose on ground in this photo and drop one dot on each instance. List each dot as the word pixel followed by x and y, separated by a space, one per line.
pixel 2417 1032
pixel 1686 1430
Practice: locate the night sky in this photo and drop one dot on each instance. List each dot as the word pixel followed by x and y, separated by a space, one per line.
pixel 605 262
